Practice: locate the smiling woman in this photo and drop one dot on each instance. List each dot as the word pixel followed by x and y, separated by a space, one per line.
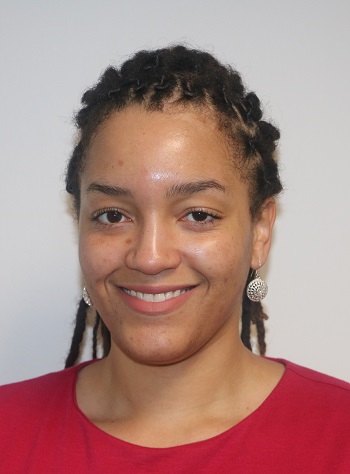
pixel 173 181
pixel 180 202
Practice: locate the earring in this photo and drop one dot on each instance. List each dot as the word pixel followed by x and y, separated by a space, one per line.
pixel 257 289
pixel 86 297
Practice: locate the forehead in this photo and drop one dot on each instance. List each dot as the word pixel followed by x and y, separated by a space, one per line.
pixel 185 143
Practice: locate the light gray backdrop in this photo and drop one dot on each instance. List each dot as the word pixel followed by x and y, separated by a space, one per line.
pixel 293 53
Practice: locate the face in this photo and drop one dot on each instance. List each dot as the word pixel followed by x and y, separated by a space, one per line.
pixel 166 236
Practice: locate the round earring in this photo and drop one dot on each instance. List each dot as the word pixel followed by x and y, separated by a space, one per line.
pixel 257 289
pixel 86 297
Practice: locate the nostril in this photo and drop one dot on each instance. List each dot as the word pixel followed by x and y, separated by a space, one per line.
pixel 148 259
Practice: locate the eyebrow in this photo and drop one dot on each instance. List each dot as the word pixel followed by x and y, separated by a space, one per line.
pixel 115 191
pixel 186 189
pixel 179 189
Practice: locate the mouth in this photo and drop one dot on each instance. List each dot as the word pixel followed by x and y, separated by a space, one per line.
pixel 156 297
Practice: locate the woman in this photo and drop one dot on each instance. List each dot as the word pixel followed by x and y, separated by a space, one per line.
pixel 173 180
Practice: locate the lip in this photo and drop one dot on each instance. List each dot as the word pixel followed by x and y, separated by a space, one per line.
pixel 155 307
pixel 155 289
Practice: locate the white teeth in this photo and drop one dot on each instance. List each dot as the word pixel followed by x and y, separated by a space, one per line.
pixel 159 297
pixel 155 297
pixel 145 296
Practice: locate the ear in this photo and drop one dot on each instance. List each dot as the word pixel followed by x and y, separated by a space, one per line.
pixel 263 225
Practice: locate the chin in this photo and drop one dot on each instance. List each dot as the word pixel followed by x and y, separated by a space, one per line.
pixel 160 354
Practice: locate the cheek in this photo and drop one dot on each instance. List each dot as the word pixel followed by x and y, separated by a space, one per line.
pixel 220 256
pixel 97 257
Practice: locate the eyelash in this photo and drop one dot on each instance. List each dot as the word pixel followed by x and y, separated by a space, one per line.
pixel 96 217
pixel 208 213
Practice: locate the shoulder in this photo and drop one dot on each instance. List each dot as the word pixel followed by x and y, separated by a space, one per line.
pixel 305 397
pixel 312 381
pixel 39 385
pixel 25 399
pixel 34 415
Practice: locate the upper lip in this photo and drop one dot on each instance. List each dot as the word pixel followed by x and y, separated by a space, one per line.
pixel 154 290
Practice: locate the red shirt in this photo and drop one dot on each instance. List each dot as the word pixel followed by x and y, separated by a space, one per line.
pixel 302 427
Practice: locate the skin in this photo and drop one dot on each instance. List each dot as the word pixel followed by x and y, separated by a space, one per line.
pixel 163 208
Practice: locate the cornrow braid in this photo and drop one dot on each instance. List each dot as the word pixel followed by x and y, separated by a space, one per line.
pixel 187 77
pixel 99 330
pixel 253 313
pixel 78 334
pixel 95 336
pixel 106 339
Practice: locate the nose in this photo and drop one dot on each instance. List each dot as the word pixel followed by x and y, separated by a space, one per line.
pixel 153 249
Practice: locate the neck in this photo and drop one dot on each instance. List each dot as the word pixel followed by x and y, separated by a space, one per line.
pixel 159 406
pixel 215 373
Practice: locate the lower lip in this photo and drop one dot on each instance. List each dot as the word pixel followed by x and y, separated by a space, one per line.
pixel 162 307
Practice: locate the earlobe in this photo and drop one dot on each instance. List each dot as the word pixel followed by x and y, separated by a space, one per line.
pixel 263 226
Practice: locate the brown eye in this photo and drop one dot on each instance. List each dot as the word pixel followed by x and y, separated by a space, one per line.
pixel 201 217
pixel 111 217
pixel 198 216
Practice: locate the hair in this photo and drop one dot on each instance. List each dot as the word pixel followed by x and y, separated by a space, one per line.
pixel 186 77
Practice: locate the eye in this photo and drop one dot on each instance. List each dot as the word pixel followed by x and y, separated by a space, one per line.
pixel 109 216
pixel 199 216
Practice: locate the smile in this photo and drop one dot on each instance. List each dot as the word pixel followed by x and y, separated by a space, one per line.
pixel 155 297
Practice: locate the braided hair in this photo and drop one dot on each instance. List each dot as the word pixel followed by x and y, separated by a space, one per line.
pixel 188 77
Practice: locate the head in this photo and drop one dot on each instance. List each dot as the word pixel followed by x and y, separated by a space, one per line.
pixel 179 79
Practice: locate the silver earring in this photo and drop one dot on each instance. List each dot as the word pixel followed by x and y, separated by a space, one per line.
pixel 86 297
pixel 257 289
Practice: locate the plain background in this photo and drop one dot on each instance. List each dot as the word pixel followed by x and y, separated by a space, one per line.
pixel 294 54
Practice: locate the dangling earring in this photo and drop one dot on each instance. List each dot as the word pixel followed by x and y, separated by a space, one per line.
pixel 86 297
pixel 257 289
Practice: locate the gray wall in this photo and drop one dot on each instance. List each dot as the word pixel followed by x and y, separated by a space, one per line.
pixel 293 53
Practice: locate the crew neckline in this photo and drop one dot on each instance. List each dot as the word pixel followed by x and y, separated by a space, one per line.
pixel 228 432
